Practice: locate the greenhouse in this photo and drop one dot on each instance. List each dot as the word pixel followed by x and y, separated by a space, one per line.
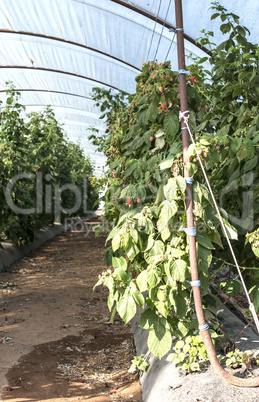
pixel 129 250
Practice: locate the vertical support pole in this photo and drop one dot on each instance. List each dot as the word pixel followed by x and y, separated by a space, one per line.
pixel 185 142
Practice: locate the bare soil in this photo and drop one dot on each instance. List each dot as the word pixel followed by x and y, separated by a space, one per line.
pixel 56 341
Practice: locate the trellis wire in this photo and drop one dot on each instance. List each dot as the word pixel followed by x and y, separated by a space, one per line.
pixel 162 29
pixel 185 117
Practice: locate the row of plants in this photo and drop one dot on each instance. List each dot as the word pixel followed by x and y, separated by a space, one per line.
pixel 42 173
pixel 147 253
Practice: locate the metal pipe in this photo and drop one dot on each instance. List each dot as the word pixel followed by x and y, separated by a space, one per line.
pixel 240 382
pixel 60 72
pixel 49 91
pixel 70 42
pixel 159 21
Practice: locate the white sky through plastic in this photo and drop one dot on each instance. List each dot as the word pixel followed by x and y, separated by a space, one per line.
pixel 57 51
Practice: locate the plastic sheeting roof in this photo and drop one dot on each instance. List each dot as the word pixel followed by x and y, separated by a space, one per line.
pixel 56 51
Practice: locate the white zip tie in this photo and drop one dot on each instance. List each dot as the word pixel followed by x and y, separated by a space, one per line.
pixel 189 231
pixel 204 327
pixel 195 283
pixel 189 180
pixel 185 117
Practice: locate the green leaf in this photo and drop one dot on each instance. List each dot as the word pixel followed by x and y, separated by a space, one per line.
pixel 147 319
pixel 160 143
pixel 241 155
pixel 202 238
pixel 181 306
pixel 144 100
pixel 159 340
pixel 214 16
pixel 175 252
pixel 152 278
pixel 224 130
pixel 232 287
pixel 168 210
pixel 234 175
pixel 130 134
pixel 202 60
pixel 182 330
pixel 251 164
pixel 160 194
pixel 165 233
pixel 133 165
pixel 113 313
pixel 170 189
pixel 119 263
pixel 139 299
pixel 132 250
pixel 235 144
pixel 114 164
pixel 126 307
pixel 225 28
pixel 217 238
pixel 134 235
pixel 113 232
pixel 150 243
pixel 181 184
pixel 120 275
pixel 167 163
pixel 255 295
pixel 141 192
pixel 145 224
pixel 178 270
pixel 204 257
pixel 116 241
pixel 126 240
pixel 231 230
pixel 142 281
pixel 241 30
pixel 171 125
pixel 152 112
pixel 159 247
pixel 142 118
pixel 255 250
pixel 250 150
pixel 160 133
pixel 201 126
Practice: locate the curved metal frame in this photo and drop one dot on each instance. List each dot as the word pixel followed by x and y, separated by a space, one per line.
pixel 50 91
pixel 60 72
pixel 161 22
pixel 68 42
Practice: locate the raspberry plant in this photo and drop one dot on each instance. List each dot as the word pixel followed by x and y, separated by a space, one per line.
pixel 37 145
pixel 145 198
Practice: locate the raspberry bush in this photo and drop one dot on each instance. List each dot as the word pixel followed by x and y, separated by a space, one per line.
pixel 148 261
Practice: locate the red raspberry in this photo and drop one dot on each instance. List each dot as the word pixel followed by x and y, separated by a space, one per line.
pixel 163 106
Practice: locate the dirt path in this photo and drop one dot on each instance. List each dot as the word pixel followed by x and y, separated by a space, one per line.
pixel 56 342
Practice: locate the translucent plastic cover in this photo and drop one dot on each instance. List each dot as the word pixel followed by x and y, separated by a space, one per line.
pixel 56 51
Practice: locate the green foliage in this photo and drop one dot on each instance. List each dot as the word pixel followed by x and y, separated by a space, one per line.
pixel 189 353
pixel 237 358
pixel 38 149
pixel 145 197
pixel 227 138
pixel 138 363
